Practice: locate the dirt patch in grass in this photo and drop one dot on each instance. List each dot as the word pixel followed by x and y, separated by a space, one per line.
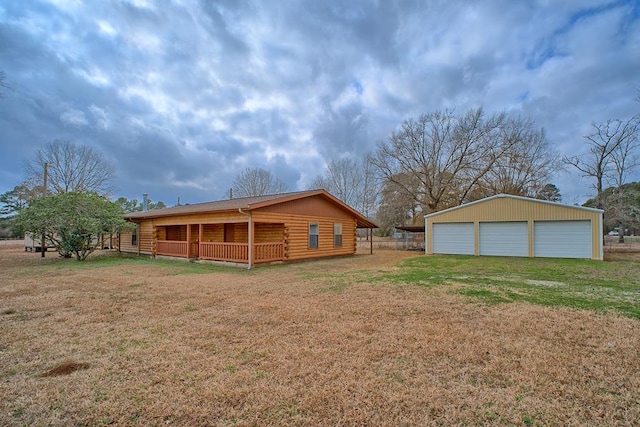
pixel 308 344
pixel 65 369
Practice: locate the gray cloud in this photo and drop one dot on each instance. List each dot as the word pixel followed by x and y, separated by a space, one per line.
pixel 183 97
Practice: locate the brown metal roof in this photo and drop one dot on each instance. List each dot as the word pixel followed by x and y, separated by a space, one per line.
pixel 249 203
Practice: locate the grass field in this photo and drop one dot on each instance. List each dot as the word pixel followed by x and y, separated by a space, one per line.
pixel 392 338
pixel 601 287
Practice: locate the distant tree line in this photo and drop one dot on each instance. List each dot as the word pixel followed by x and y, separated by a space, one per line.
pixel 621 208
pixel 433 162
pixel 613 152
pixel 438 160
pixel 134 205
pixel 65 198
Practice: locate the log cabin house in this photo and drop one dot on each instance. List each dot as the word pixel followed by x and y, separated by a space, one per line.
pixel 251 230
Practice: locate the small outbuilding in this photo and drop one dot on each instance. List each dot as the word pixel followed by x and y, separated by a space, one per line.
pixel 506 225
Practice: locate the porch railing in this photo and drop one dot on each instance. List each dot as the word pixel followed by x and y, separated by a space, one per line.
pixel 171 248
pixel 268 252
pixel 219 251
pixel 235 252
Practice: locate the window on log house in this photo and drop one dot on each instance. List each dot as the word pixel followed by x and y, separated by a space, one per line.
pixel 337 235
pixel 313 235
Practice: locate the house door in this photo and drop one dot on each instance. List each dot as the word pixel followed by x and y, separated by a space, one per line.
pixel 229 233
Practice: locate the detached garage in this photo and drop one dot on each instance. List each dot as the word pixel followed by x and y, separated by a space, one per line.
pixel 506 225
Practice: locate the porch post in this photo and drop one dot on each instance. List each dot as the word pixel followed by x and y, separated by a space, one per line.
pixel 199 238
pixel 188 241
pixel 371 242
pixel 250 254
pixel 154 243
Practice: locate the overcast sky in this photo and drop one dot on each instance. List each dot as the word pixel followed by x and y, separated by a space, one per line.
pixel 183 95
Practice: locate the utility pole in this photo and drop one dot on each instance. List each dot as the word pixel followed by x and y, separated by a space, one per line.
pixel 43 246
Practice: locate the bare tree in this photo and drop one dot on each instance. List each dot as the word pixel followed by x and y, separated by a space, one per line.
pixel 605 144
pixel 527 164
pixel 452 158
pixel 397 207
pixel 625 158
pixel 257 182
pixel 370 188
pixel 352 182
pixel 341 178
pixel 71 167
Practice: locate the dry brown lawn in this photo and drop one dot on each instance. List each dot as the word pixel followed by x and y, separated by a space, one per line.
pixel 292 345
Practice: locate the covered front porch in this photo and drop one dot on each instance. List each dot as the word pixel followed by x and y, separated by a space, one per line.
pixel 228 242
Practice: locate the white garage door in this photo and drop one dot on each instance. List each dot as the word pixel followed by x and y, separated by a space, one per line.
pixel 562 239
pixel 504 238
pixel 453 238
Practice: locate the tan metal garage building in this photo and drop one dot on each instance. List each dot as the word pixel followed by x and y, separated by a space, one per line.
pixel 506 225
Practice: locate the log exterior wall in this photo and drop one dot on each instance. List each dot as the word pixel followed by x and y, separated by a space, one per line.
pixel 266 233
pixel 146 238
pixel 287 221
pixel 125 242
pixel 297 234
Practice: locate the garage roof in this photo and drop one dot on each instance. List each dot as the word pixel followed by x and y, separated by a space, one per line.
pixel 510 196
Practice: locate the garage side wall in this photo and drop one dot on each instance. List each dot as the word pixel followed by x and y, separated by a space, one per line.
pixel 507 209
